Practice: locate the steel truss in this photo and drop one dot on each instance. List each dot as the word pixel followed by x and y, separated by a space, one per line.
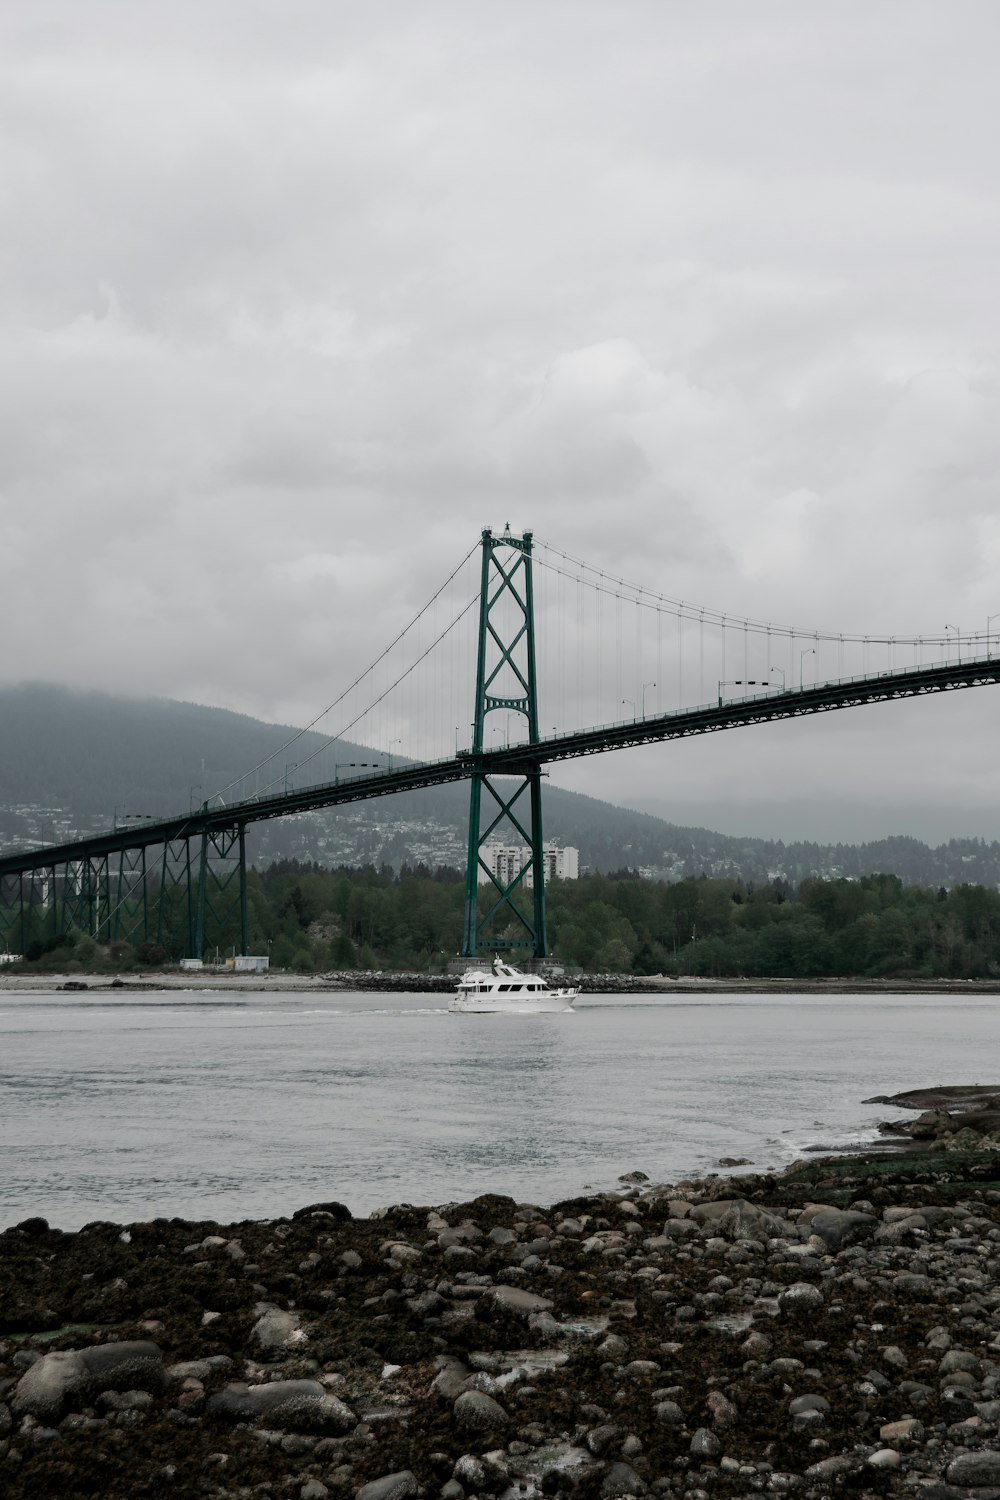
pixel 506 655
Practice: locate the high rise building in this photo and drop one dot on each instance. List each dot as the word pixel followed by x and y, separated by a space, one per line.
pixel 506 861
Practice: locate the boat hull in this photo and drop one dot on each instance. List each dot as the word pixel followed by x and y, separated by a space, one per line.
pixel 503 1005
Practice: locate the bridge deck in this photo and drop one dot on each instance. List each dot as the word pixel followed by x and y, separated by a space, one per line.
pixel 726 713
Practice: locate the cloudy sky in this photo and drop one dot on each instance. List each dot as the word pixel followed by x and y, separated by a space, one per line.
pixel 296 298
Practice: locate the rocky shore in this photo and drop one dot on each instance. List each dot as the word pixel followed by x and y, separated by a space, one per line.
pixel 391 982
pixel 834 1330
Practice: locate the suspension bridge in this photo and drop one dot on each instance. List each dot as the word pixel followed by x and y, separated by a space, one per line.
pixel 516 627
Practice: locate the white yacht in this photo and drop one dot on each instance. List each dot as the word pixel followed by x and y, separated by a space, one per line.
pixel 506 989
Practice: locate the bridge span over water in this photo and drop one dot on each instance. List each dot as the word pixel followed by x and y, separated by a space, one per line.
pixel 182 880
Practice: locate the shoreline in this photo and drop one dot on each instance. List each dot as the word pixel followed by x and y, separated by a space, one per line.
pixel 834 1327
pixel 382 982
pixel 837 1325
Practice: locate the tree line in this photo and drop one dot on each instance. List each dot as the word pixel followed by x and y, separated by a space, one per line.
pixel 313 919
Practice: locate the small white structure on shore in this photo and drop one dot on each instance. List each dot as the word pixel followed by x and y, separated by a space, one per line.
pixel 250 963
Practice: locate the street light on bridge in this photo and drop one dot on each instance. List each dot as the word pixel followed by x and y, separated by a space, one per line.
pixel 632 702
pixel 958 638
pixel 989 622
pixel 809 651
pixel 644 687
pixel 782 671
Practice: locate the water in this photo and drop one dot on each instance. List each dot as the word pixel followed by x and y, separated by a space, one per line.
pixel 234 1105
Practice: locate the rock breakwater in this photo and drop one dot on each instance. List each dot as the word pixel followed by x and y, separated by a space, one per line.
pixel 832 1331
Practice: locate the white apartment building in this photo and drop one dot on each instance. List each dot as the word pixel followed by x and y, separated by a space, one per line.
pixel 505 861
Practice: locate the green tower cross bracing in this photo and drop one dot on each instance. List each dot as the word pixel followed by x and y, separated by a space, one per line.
pixel 512 913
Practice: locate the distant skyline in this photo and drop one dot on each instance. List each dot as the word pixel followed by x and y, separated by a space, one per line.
pixel 295 301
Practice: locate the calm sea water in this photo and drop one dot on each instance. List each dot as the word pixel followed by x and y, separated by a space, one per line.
pixel 233 1105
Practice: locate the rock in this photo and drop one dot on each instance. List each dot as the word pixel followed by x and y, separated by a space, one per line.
pixel 908 1430
pixel 669 1414
pixel 808 1403
pixel 747 1221
pixel 477 1412
pixel 977 1470
pixel 931 1124
pixel 276 1329
pixel 621 1479
pixel 470 1472
pixel 390 1487
pixel 68 1378
pixel 190 1369
pixel 289 1405
pixel 830 1468
pixel 839 1227
pixel 515 1302
pixel 961 1359
pixel 724 1413
pixel 314 1489
pixel 449 1383
pixel 705 1444
pixel 545 1324
pixel 800 1298
pixel 599 1439
pixel 884 1458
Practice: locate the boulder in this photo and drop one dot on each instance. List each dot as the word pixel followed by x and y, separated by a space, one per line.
pixel 839 1227
pixel 621 1479
pixel 477 1412
pixel 288 1405
pixel 977 1470
pixel 276 1329
pixel 67 1378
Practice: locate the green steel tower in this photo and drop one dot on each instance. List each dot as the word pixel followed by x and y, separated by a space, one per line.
pixel 505 682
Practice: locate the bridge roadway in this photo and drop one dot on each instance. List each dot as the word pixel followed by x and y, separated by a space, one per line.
pixel 726 713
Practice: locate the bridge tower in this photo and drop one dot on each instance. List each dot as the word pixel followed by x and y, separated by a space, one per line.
pixel 512 806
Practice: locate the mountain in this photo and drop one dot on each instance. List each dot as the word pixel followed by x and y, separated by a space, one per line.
pixel 71 763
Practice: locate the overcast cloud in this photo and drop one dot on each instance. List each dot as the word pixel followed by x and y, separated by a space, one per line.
pixel 296 298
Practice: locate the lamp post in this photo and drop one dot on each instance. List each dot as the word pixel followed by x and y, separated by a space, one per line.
pixel 644 687
pixel 809 651
pixel 782 671
pixel 632 702
pixel 399 741
pixel 958 638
